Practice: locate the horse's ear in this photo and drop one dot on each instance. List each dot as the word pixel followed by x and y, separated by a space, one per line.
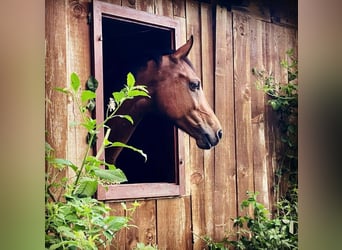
pixel 183 51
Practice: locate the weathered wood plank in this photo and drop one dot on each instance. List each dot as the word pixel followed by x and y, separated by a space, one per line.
pixel 261 182
pixel 56 116
pixel 180 40
pixel 207 52
pixel 193 23
pixel 270 126
pixel 242 73
pixel 56 76
pixel 225 162
pixel 174 223
pixel 78 61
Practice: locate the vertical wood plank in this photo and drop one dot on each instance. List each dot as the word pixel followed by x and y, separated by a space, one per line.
pixel 207 53
pixel 261 182
pixel 225 161
pixel 280 75
pixel 270 126
pixel 242 73
pixel 197 177
pixel 56 115
pixel 56 76
pixel 78 61
pixel 174 223
pixel 180 40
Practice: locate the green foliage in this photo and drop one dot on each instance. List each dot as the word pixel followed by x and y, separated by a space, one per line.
pixel 283 99
pixel 75 220
pixel 259 231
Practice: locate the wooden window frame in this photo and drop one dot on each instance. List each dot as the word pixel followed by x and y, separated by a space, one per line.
pixel 137 190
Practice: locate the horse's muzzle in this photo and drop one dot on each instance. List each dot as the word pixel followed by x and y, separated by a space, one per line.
pixel 207 141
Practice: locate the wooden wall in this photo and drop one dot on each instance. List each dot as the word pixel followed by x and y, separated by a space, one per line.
pixel 229 42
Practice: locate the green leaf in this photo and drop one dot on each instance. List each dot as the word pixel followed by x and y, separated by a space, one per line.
pixel 61 163
pixel 66 231
pixel 86 188
pixel 75 82
pixel 63 90
pixel 108 234
pixel 127 117
pixel 136 92
pixel 123 145
pixel 87 95
pixel 89 124
pixel 117 222
pixel 92 83
pixel 130 80
pixel 119 96
pixel 115 176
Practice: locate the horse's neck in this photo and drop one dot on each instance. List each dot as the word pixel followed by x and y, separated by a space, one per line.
pixel 122 129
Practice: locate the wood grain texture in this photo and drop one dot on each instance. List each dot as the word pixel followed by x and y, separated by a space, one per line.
pixel 258 61
pixel 197 185
pixel 225 199
pixel 56 76
pixel 207 53
pixel 242 73
pixel 174 223
pixel 78 54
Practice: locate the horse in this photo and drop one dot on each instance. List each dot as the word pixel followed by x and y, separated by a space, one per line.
pixel 175 91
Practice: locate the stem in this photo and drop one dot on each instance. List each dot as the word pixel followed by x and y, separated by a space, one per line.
pixel 103 144
pixel 83 163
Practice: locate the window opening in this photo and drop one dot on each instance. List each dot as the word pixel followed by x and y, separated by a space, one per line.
pixel 124 43
pixel 125 46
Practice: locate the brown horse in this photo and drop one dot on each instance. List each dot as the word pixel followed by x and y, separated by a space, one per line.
pixel 176 92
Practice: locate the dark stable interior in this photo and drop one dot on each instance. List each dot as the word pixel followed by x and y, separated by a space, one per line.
pixel 125 46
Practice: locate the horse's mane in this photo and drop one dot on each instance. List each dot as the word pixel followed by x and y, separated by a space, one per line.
pixel 132 61
pixel 156 56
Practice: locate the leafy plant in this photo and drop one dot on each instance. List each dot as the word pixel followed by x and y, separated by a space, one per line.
pixel 259 231
pixel 283 99
pixel 75 220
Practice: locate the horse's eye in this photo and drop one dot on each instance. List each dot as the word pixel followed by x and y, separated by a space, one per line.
pixel 194 85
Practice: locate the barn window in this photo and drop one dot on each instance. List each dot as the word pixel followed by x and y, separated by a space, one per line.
pixel 121 37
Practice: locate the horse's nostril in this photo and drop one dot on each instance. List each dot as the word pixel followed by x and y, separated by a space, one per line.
pixel 219 133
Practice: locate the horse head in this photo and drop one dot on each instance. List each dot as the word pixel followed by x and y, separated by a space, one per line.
pixel 176 91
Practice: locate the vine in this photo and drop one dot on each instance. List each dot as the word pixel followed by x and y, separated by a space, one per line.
pixel 283 99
